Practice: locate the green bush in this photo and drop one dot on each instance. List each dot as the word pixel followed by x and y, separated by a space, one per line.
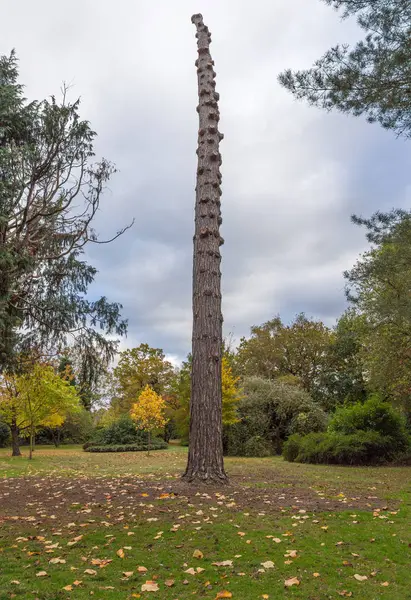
pixel 156 444
pixel 4 435
pixel 359 448
pixel 372 415
pixel 271 410
pixel 257 446
pixel 121 432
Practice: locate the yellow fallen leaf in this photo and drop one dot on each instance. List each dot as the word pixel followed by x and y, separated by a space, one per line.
pixel 385 584
pixel 68 588
pixel 265 596
pixel 198 554
pixel 15 582
pixel 316 575
pixel 292 581
pixel 142 569
pixel 77 582
pixel 169 582
pixel 360 577
pixel 56 561
pixel 120 553
pixel 268 564
pixel 223 594
pixel 223 563
pixel 90 572
pixel 190 571
pixel 41 574
pixel 150 586
pixel 128 573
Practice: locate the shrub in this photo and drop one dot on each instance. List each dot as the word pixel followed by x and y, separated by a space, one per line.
pixel 4 435
pixel 372 415
pixel 272 410
pixel 257 446
pixel 359 448
pixel 156 444
pixel 120 432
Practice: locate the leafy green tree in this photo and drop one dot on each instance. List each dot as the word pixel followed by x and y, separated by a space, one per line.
pixel 374 77
pixel 136 369
pixel 38 397
pixel 342 378
pixel 50 192
pixel 379 286
pixel 276 350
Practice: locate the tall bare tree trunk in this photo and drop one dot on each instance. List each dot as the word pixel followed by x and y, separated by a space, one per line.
pixel 205 456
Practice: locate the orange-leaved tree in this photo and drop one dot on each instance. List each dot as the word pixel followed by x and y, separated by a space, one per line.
pixel 148 412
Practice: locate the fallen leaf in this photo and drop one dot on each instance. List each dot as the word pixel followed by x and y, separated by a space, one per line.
pixel 68 588
pixel 120 553
pixel 90 572
pixel 56 561
pixel 41 574
pixel 150 586
pixel 291 582
pixel 360 577
pixel 316 575
pixel 198 554
pixel 190 571
pixel 169 582
pixel 223 594
pixel 268 564
pixel 223 563
pixel 385 584
pixel 16 582
pixel 128 573
pixel 142 569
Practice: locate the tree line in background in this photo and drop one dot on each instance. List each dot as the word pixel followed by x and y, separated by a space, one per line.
pixel 282 380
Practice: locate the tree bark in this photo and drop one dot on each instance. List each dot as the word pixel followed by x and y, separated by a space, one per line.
pixel 31 443
pixel 205 456
pixel 15 439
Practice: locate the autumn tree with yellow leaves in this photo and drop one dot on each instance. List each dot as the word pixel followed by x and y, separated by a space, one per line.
pixel 148 412
pixel 37 398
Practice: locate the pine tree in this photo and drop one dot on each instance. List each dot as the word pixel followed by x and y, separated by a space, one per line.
pixel 374 77
pixel 50 192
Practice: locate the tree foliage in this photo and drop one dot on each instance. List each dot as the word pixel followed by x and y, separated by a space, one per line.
pixel 148 412
pixel 372 78
pixel 38 397
pixel 136 369
pixel 378 287
pixel 50 192
pixel 298 351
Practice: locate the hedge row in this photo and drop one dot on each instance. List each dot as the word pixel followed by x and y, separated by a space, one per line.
pixel 155 445
pixel 360 448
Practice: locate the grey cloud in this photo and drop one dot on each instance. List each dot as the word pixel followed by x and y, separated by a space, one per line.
pixel 292 175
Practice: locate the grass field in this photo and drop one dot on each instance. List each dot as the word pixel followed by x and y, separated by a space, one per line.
pixel 79 525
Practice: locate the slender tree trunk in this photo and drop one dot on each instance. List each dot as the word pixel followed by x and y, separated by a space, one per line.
pixel 205 456
pixel 149 443
pixel 31 443
pixel 15 439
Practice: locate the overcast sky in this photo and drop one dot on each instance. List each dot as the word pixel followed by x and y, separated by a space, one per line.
pixel 292 175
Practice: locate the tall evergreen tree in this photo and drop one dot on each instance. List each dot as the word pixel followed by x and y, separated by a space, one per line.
pixel 50 191
pixel 374 77
pixel 205 456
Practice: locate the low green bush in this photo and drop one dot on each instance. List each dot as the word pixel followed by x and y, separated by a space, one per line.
pixel 359 448
pixel 257 446
pixel 372 415
pixel 4 435
pixel 155 445
pixel 121 432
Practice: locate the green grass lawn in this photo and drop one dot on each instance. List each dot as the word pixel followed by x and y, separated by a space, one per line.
pixel 79 525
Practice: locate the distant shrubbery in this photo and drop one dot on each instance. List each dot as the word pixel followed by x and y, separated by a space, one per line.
pixel 268 413
pixel 155 444
pixel 120 432
pixel 361 434
pixel 122 436
pixel 4 435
